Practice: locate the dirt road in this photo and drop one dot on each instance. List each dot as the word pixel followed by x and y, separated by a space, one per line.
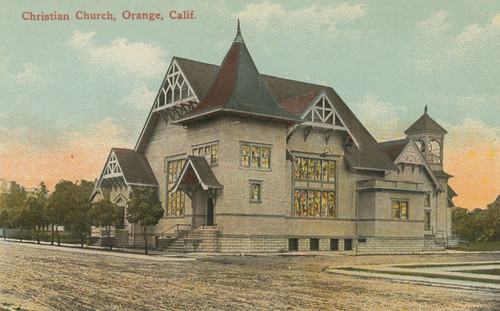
pixel 63 279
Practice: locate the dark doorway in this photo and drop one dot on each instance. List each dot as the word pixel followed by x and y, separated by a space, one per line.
pixel 210 212
pixel 293 244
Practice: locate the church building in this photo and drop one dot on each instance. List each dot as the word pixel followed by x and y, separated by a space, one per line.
pixel 246 162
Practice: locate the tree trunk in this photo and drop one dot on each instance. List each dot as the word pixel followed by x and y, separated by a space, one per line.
pixel 52 234
pixel 4 236
pixel 145 234
pixel 108 229
pixel 37 236
pixel 82 236
pixel 21 235
pixel 58 236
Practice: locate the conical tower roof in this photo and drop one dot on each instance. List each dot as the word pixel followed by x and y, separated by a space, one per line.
pixel 239 88
pixel 425 124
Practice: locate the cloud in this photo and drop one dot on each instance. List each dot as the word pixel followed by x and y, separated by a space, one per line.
pixel 30 76
pixel 144 59
pixel 140 97
pixel 380 118
pixel 436 24
pixel 313 19
pixel 469 54
pixel 79 155
pixel 472 155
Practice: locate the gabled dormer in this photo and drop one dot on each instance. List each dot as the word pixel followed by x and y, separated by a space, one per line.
pixel 125 168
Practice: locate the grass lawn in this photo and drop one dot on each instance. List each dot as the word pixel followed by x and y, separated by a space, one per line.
pixel 480 246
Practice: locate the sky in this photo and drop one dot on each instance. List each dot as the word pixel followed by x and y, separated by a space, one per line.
pixel 71 90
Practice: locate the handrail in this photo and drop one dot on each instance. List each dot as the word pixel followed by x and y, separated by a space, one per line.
pixel 174 226
pixel 186 225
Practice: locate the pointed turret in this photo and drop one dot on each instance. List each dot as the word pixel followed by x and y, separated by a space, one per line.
pixel 425 123
pixel 429 137
pixel 238 88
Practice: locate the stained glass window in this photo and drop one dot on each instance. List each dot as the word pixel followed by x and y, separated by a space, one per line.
pixel 255 156
pixel 209 151
pixel 314 203
pixel 427 221
pixel 427 200
pixel 175 200
pixel 255 191
pixel 314 169
pixel 400 209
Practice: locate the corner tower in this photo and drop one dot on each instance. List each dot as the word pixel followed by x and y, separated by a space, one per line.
pixel 429 137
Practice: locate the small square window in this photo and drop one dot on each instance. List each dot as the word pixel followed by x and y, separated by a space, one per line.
pixel 293 244
pixel 255 191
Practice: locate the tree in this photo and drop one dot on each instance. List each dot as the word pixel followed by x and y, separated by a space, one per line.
pixel 78 220
pixel 15 204
pixel 144 209
pixel 478 224
pixel 59 205
pixel 4 214
pixel 106 214
pixel 36 206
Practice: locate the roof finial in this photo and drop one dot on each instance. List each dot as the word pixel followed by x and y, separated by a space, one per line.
pixel 238 38
pixel 425 109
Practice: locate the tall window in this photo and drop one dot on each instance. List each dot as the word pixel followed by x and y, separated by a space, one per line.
pixel 209 151
pixel 399 209
pixel 427 199
pixel 318 201
pixel 427 220
pixel 314 169
pixel 256 156
pixel 175 200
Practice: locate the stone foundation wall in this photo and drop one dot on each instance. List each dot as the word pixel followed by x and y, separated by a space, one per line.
pixel 244 244
pixel 390 245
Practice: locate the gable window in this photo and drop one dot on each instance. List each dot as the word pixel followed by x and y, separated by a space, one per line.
pixel 399 209
pixel 314 169
pixel 323 112
pixel 175 200
pixel 209 151
pixel 255 156
pixel 256 191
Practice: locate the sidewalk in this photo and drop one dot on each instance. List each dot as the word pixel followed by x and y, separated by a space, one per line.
pixel 153 255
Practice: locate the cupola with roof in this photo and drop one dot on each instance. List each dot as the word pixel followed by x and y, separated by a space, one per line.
pixel 429 137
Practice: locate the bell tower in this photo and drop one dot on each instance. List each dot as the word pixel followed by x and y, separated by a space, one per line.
pixel 429 137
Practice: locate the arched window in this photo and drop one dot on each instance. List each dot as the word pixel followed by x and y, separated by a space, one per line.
pixel 420 144
pixel 434 152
